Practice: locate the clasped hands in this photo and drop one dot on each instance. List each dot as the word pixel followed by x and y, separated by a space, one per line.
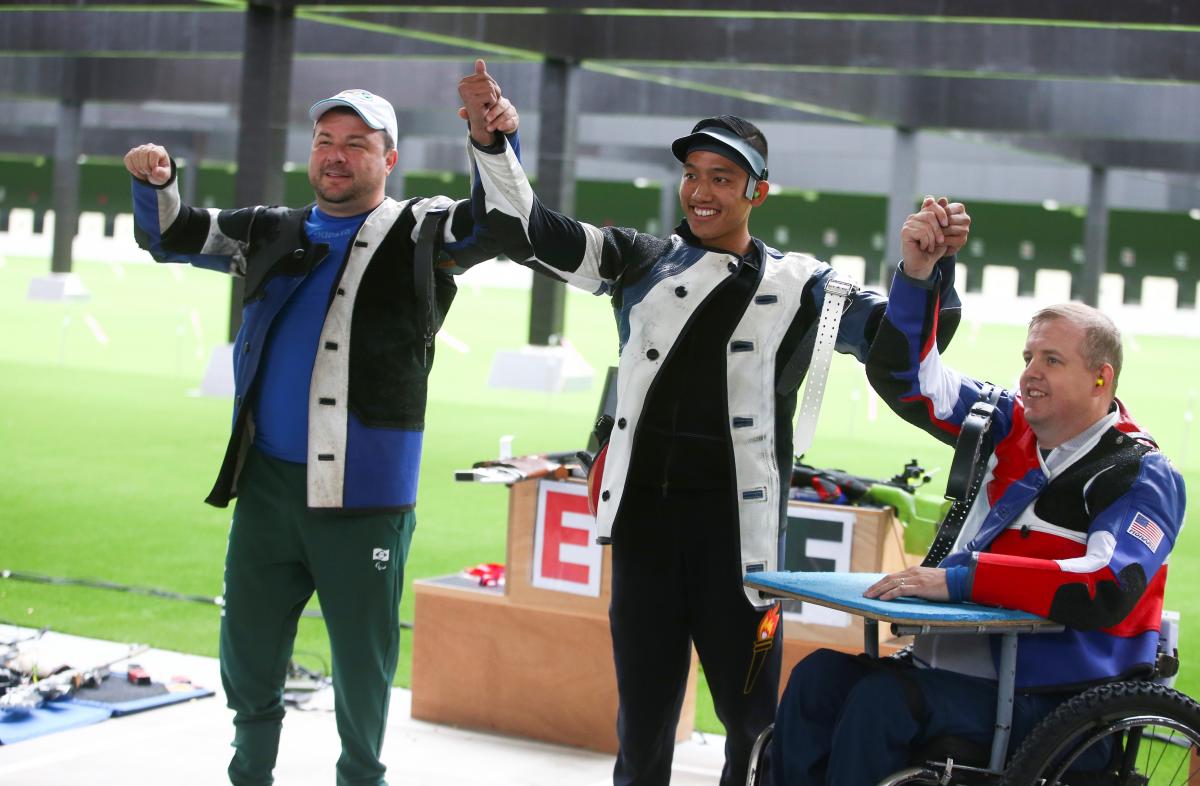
pixel 484 108
pixel 940 228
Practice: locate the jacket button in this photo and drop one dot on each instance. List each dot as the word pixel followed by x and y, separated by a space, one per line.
pixel 621 423
pixel 605 496
pixel 237 400
pixel 298 254
pixel 681 291
pixel 652 353
pixel 246 347
pixel 732 267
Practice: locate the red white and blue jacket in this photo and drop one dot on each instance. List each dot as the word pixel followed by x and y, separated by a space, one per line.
pixel 1080 535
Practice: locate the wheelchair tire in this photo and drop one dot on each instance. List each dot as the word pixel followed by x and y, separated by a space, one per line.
pixel 756 775
pixel 913 776
pixel 1150 731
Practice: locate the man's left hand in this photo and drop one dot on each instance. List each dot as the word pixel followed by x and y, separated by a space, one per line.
pixel 918 582
pixel 959 228
pixel 940 228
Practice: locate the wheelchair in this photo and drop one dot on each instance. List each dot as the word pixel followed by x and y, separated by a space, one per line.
pixel 1137 732
pixel 1129 733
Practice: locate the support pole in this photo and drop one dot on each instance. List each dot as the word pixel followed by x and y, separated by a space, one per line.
pixel 263 116
pixel 394 186
pixel 189 187
pixel 1095 236
pixel 900 202
pixel 67 147
pixel 556 184
pixel 668 201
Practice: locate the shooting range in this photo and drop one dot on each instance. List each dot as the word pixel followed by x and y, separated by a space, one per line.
pixel 1071 130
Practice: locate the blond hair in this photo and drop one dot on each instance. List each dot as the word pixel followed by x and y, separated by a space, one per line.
pixel 1101 338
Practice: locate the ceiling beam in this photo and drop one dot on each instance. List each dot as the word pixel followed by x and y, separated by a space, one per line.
pixel 817 46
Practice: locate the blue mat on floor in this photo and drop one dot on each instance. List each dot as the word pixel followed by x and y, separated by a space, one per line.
pixel 112 698
pixel 51 717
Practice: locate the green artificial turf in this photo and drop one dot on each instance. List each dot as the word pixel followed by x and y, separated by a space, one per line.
pixel 109 451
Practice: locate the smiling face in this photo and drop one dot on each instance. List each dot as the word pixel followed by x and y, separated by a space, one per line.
pixel 348 164
pixel 712 194
pixel 1058 387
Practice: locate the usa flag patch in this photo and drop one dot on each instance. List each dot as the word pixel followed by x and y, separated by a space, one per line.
pixel 1146 531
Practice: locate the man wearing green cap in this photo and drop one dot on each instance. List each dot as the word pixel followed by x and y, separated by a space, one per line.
pixel 330 369
pixel 696 472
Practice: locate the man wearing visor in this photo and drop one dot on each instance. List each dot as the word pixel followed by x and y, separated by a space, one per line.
pixel 695 479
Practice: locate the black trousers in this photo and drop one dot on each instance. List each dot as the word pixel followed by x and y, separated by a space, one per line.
pixel 677 579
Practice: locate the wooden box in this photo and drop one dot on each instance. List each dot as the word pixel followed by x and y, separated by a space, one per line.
pixel 521 659
pixel 876 545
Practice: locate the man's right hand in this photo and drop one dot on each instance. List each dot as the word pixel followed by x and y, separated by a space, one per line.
pixel 149 162
pixel 483 106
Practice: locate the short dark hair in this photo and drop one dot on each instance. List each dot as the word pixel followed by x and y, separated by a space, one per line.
pixel 743 128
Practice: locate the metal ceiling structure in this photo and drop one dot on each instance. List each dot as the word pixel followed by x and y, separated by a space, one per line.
pixel 1065 88
pixel 1115 84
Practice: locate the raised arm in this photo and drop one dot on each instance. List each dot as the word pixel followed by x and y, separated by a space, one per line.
pixel 174 232
pixel 573 251
pixel 904 365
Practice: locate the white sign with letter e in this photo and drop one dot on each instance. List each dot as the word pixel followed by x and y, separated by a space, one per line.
pixel 566 556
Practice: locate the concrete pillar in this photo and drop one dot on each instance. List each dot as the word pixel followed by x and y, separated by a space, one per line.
pixel 67 147
pixel 1095 236
pixel 557 135
pixel 263 116
pixel 394 187
pixel 189 181
pixel 903 189
pixel 668 201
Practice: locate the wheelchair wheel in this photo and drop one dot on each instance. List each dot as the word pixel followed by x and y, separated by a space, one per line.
pixel 757 774
pixel 913 776
pixel 1122 734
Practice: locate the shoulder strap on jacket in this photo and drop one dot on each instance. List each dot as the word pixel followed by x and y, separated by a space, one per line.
pixel 971 454
pixel 837 290
pixel 424 260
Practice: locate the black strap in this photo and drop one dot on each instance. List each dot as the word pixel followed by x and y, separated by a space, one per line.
pixel 424 261
pixel 967 470
pixel 797 365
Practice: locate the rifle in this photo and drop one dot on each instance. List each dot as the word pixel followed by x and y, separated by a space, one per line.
pixel 10 645
pixel 25 698
pixel 918 513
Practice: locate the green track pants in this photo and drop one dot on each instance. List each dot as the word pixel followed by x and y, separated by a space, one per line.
pixel 279 553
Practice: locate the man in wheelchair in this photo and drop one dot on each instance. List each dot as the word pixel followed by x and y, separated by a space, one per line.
pixel 1076 515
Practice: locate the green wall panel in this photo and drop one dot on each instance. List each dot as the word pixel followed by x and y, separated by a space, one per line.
pixel 1027 237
